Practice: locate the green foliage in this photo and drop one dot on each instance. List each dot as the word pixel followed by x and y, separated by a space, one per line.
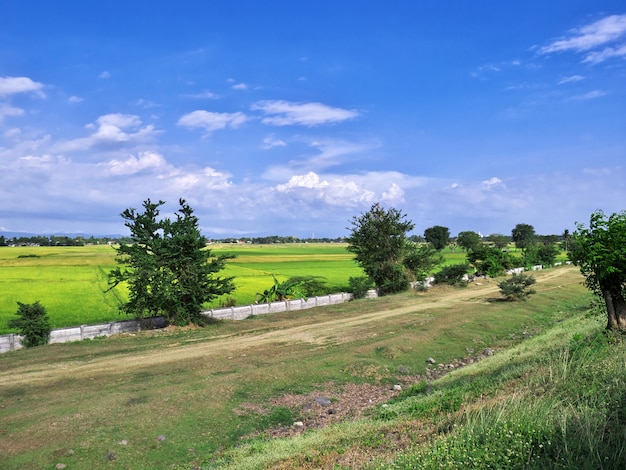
pixel 359 286
pixel 32 323
pixel 468 240
pixel 281 291
pixel 438 236
pixel 490 260
pixel 523 235
pixel 454 275
pixel 540 253
pixel 379 241
pixel 600 252
pixel 310 286
pixel 517 287
pixel 499 240
pixel 171 272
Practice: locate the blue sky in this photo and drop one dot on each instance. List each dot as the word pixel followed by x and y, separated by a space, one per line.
pixel 290 118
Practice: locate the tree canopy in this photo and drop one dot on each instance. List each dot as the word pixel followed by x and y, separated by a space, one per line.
pixel 379 241
pixel 468 240
pixel 600 252
pixel 523 235
pixel 169 270
pixel 438 236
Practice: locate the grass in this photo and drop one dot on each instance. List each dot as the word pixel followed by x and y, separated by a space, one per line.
pixel 202 398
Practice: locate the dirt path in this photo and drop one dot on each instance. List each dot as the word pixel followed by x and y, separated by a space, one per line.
pixel 314 333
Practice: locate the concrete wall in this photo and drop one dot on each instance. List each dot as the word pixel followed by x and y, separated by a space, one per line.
pixel 13 342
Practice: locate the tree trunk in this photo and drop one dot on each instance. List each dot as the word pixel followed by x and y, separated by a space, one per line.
pixel 616 310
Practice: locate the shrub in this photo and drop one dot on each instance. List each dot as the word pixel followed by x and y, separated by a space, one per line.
pixel 359 286
pixel 517 287
pixel 310 286
pixel 32 323
pixel 454 275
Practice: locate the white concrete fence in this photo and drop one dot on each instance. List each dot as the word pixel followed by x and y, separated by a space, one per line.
pixel 13 342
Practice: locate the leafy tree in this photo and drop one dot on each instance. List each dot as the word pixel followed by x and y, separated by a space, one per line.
pixel 544 254
pixel 490 260
pixel 359 286
pixel 600 252
pixel 170 272
pixel 438 236
pixel 500 241
pixel 33 323
pixel 378 240
pixel 310 286
pixel 523 235
pixel 468 240
pixel 454 275
pixel 517 287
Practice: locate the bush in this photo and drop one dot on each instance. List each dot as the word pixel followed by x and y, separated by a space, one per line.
pixel 453 275
pixel 310 286
pixel 33 324
pixel 359 286
pixel 517 287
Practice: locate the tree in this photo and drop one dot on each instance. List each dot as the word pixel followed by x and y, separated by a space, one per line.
pixel 490 260
pixel 500 241
pixel 170 271
pixel 523 235
pixel 468 240
pixel 438 236
pixel 600 252
pixel 517 287
pixel 33 323
pixel 378 240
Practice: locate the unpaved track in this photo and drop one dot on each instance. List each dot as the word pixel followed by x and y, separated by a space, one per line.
pixel 314 333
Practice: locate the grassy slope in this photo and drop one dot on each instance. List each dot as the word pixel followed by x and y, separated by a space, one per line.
pixel 109 400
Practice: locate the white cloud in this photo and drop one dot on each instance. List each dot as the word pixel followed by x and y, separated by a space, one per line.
pixel 75 99
pixel 204 95
pixel 210 122
pixel 571 79
pixel 286 113
pixel 14 85
pixel 7 110
pixel 110 131
pixel 591 95
pixel 240 86
pixel 393 195
pixel 105 74
pixel 132 165
pixel 271 142
pixel 599 33
pixel 607 53
pixel 491 183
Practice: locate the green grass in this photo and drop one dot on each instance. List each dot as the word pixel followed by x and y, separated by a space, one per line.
pixel 210 391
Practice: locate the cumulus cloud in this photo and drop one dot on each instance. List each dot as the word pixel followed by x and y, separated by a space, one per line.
pixel 287 113
pixel 337 191
pixel 111 131
pixel 491 183
pixel 585 38
pixel 132 165
pixel 14 85
pixel 393 195
pixel 210 122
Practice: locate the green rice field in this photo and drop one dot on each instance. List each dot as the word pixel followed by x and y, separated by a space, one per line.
pixel 70 282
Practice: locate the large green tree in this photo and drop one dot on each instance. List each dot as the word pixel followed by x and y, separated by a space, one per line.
pixel 379 241
pixel 523 235
pixel 600 252
pixel 468 240
pixel 438 236
pixel 169 270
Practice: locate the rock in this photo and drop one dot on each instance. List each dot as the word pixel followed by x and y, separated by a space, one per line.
pixel 323 401
pixel 60 466
pixel 397 387
pixel 488 352
pixel 123 442
pixel 430 360
pixel 110 456
pixel 298 424
pixel 161 438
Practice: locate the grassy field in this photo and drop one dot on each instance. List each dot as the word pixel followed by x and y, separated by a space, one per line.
pixel 213 397
pixel 71 281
